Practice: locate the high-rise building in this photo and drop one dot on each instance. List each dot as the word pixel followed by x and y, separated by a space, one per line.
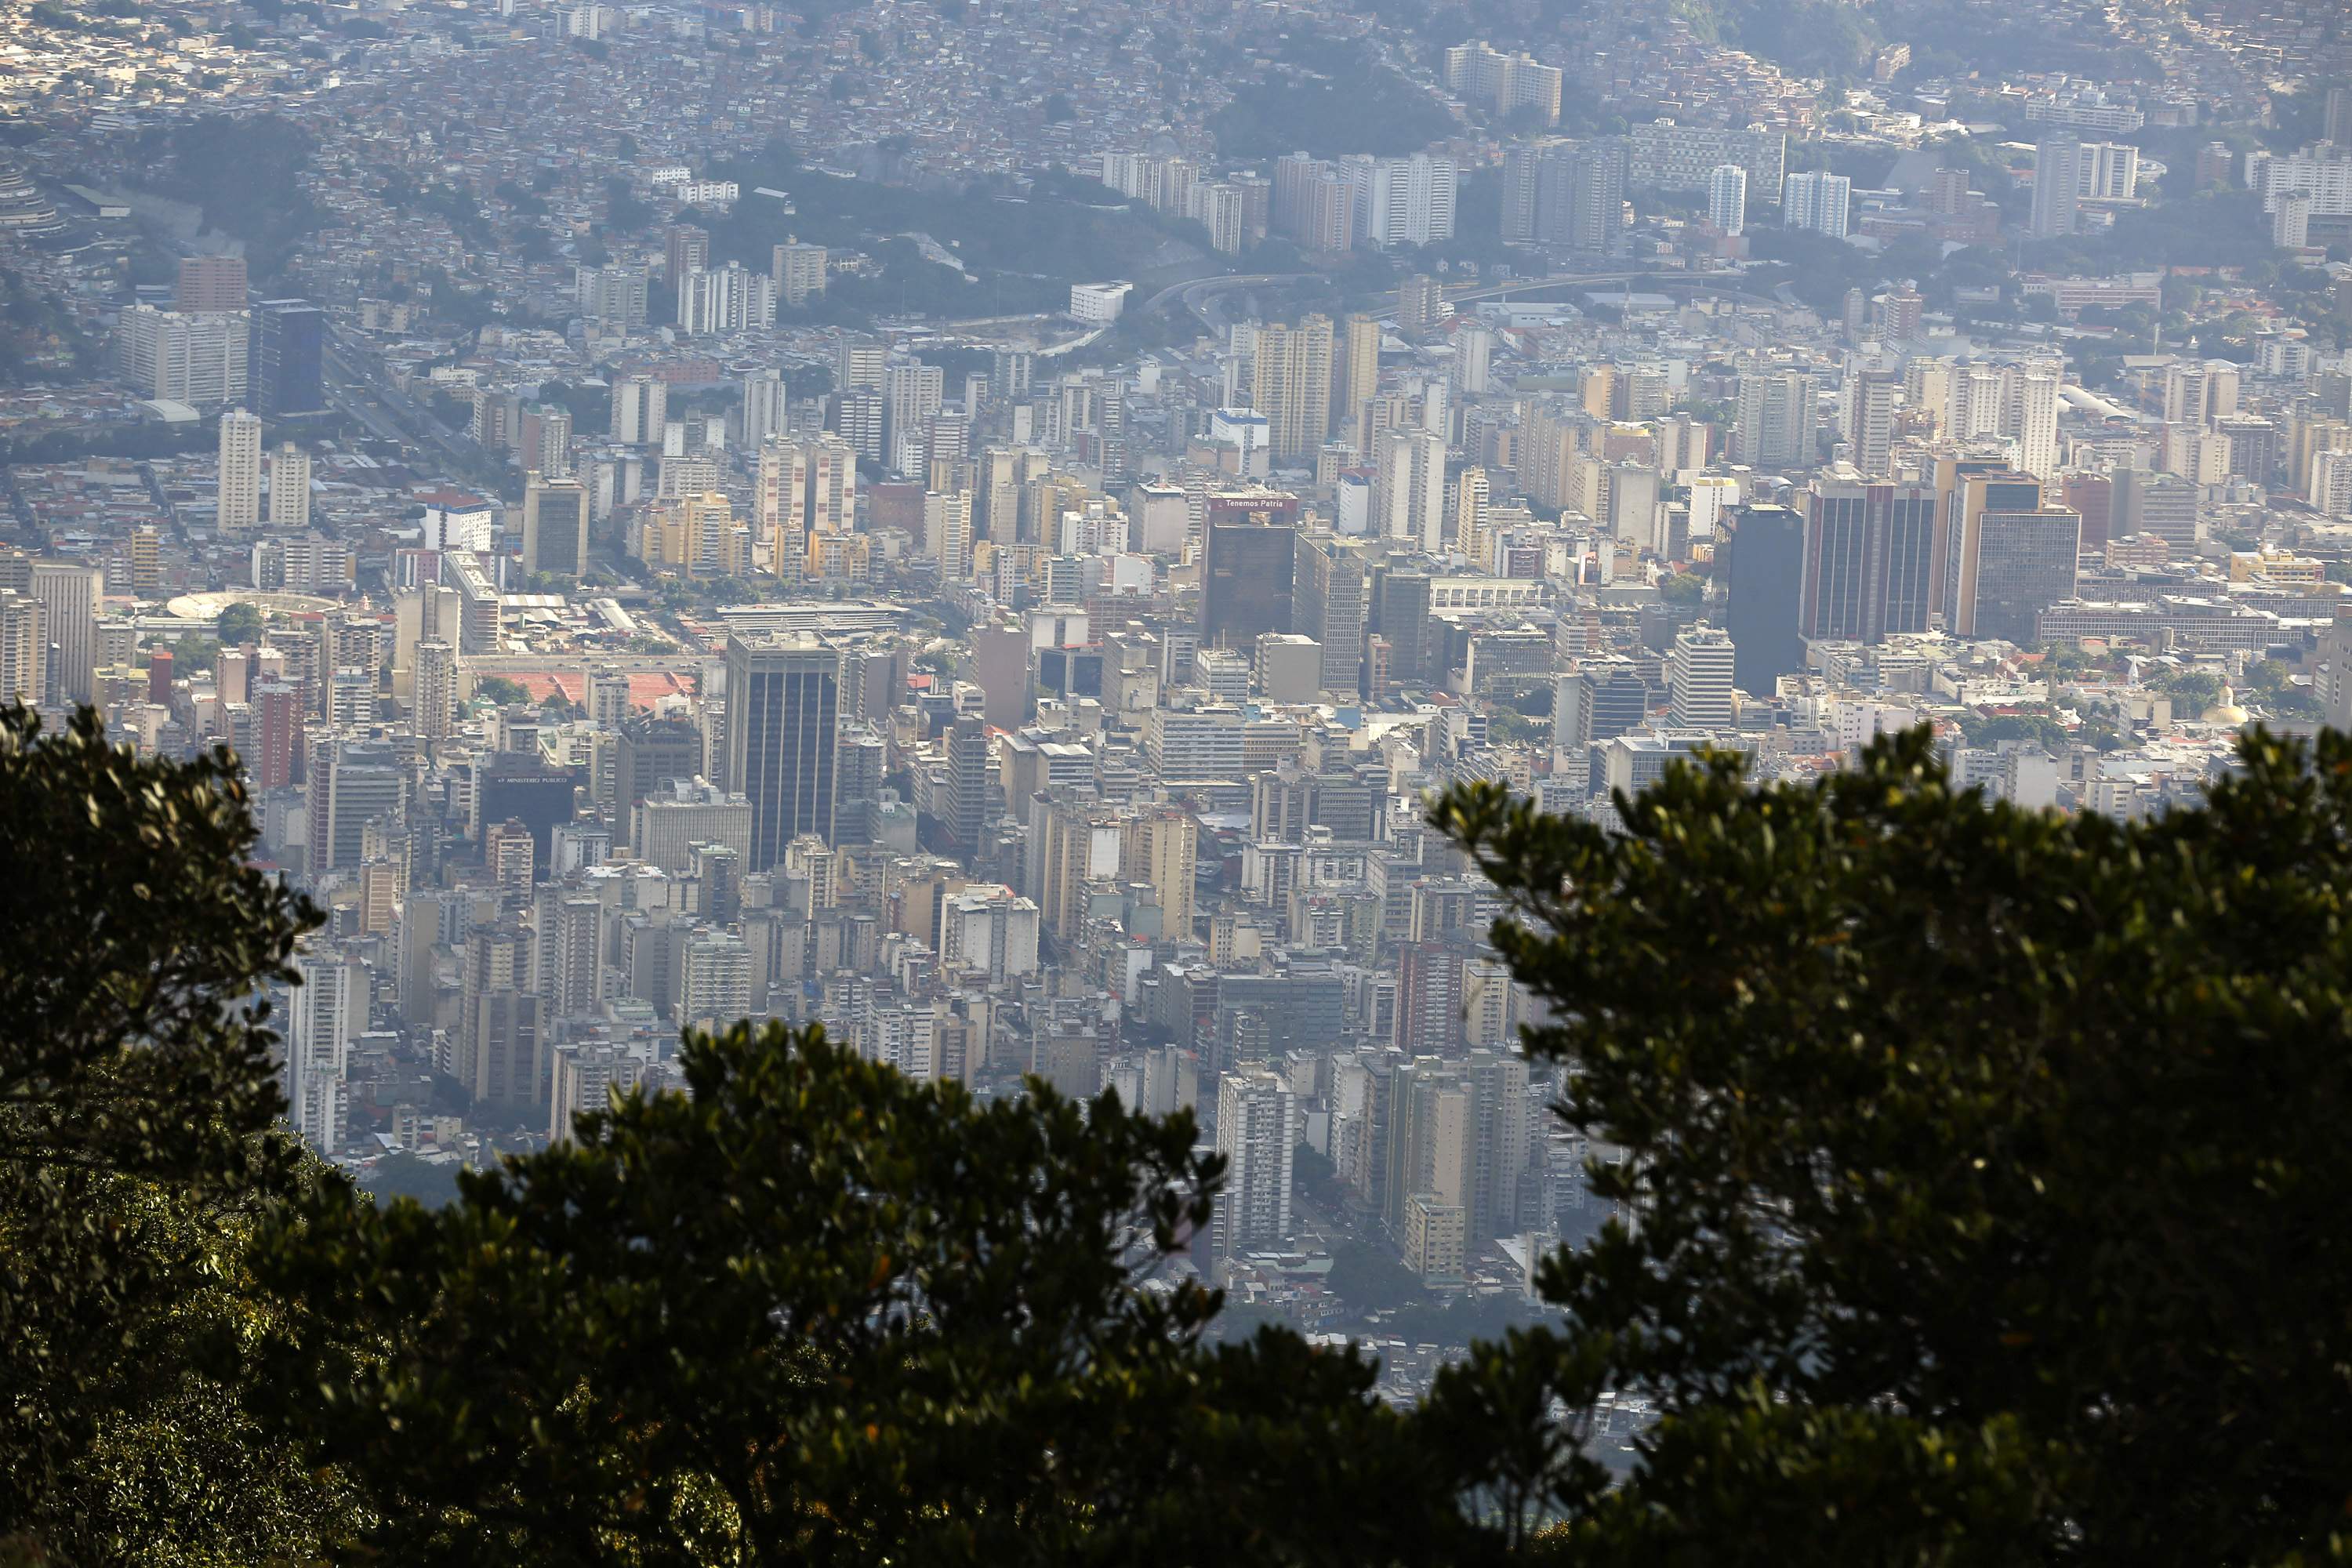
pixel 2057 187
pixel 640 410
pixel 289 487
pixel 1257 1134
pixel 1409 488
pixel 968 770
pixel 1402 201
pixel 1766 545
pixel 798 270
pixel 499 1038
pixel 1481 74
pixel 1775 417
pixel 199 359
pixel 729 299
pixel 1361 381
pixel 23 649
pixel 435 688
pixel 947 534
pixel 1327 604
pixel 1292 386
pixel 1245 580
pixel 912 392
pixel 1665 156
pixel 1820 203
pixel 1700 677
pixel 779 506
pixel 1870 559
pixel 210 283
pixel 1875 394
pixel 2011 556
pixel 613 296
pixel 1727 199
pixel 287 359
pixel 239 509
pixel 767 400
pixel 554 527
pixel 782 699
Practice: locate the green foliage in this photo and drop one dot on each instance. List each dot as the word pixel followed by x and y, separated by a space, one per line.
pixel 239 623
pixel 135 1083
pixel 244 173
pixel 1369 1278
pixel 816 1312
pixel 2193 690
pixel 1683 588
pixel 498 689
pixel 1958 1131
pixel 2035 724
pixel 2273 685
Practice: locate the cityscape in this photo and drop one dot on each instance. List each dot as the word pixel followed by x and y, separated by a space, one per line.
pixel 985 527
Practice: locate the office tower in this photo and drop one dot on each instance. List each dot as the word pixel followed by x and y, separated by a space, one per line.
pixel 1421 303
pixel 1245 580
pixel 766 399
pixel 1875 394
pixel 2031 417
pixel 1292 386
pixel 1401 602
pixel 1327 604
pixel 210 283
pixel 798 270
pixel 832 503
pixel 2164 505
pixel 435 688
pixel 287 359
pixel 239 509
pixel 1775 414
pixel 912 392
pixel 947 534
pixel 290 486
pixel 613 297
pixel 1523 174
pixel 1409 488
pixel 968 768
pixel 1257 1135
pixel 1700 670
pixel 782 697
pixel 1402 201
pixel 640 410
pixel 554 527
pixel 1766 545
pixel 326 1011
pixel 1819 203
pixel 1600 699
pixel 1727 199
pixel 1870 556
pixel 2057 187
pixel 729 299
pixel 2011 556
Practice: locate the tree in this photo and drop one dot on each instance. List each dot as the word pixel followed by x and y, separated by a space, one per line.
pixel 499 691
pixel 239 623
pixel 1959 1132
pixel 816 1311
pixel 136 1086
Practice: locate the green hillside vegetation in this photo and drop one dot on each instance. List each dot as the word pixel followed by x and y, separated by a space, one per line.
pixel 1349 105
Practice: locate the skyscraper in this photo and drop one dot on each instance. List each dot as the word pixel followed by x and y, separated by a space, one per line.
pixel 289 487
pixel 766 396
pixel 640 410
pixel 554 527
pixel 2057 187
pixel 435 688
pixel 782 697
pixel 1775 415
pixel 947 534
pixel 1869 560
pixel 780 507
pixel 1245 580
pixel 1257 1135
pixel 1820 203
pixel 239 509
pixel 968 759
pixel 1292 386
pixel 1326 599
pixel 1874 395
pixel 1766 549
pixel 288 359
pixel 2012 557
pixel 1700 675
pixel 1363 380
pixel 1727 199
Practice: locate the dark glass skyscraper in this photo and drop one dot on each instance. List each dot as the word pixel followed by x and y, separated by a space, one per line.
pixel 1245 579
pixel 287 359
pixel 783 695
pixel 1767 560
pixel 1870 558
